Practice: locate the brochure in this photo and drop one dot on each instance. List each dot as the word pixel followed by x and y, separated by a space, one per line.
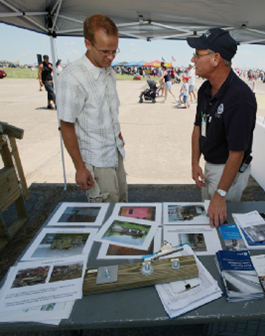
pixel 259 264
pixel 232 237
pixel 238 275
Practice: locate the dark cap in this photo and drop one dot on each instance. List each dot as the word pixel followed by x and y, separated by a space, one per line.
pixel 216 39
pixel 45 56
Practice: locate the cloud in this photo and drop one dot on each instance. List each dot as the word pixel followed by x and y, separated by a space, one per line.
pixel 76 51
pixel 132 50
pixel 29 51
pixel 133 44
pixel 73 43
pixel 246 52
pixel 23 54
pixel 65 43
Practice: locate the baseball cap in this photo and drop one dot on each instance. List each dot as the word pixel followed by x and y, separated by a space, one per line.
pixel 216 39
pixel 186 78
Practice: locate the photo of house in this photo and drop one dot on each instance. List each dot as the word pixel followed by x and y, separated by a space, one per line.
pixel 31 277
pixel 79 215
pixel 56 245
pixel 115 250
pixel 139 212
pixel 66 272
pixel 185 212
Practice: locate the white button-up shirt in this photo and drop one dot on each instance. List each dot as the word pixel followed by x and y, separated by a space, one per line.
pixel 87 97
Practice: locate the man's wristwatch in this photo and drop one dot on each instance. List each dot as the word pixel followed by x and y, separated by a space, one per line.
pixel 221 192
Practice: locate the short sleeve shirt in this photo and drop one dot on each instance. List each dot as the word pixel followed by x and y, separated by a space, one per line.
pixel 231 117
pixel 191 74
pixel 87 97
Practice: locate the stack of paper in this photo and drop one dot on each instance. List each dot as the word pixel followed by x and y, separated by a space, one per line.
pixel 238 275
pixel 252 226
pixel 182 296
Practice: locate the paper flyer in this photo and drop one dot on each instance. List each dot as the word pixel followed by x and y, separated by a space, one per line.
pixel 43 282
pixel 202 239
pixel 185 213
pixel 127 232
pixel 108 251
pixel 60 243
pixel 79 214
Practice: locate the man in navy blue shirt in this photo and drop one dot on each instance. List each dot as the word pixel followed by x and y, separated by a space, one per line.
pixel 224 123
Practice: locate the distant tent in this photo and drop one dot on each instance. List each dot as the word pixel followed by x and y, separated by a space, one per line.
pixel 157 63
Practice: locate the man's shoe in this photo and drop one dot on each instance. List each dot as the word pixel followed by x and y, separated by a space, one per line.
pixel 50 107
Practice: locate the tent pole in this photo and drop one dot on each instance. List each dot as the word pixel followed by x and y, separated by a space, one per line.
pixel 59 123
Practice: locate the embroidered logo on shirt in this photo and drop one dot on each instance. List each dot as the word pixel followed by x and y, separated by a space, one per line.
pixel 207 34
pixel 220 109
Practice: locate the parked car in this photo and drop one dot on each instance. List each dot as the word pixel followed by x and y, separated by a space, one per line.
pixel 2 73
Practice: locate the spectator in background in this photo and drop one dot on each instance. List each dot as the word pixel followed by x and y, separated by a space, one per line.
pixel 191 76
pixel 45 78
pixel 166 79
pixel 58 67
pixel 252 84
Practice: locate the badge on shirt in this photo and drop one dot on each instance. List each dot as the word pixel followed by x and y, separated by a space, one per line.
pixel 203 128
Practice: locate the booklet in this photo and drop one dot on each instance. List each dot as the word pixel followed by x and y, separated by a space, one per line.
pixel 253 225
pixel 259 264
pixel 239 277
pixel 232 237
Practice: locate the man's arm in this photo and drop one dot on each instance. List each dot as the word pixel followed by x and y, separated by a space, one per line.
pixel 197 173
pixel 40 72
pixel 83 176
pixel 217 208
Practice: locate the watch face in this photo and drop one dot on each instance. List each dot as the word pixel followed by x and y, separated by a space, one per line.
pixel 221 192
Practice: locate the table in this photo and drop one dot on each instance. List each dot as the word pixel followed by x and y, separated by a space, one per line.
pixel 142 307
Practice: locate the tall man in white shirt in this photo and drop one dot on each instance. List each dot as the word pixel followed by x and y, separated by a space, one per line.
pixel 191 75
pixel 88 109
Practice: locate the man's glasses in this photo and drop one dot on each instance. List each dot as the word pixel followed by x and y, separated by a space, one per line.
pixel 107 52
pixel 196 56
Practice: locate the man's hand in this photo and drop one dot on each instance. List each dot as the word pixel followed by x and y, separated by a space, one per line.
pixel 84 179
pixel 198 176
pixel 217 210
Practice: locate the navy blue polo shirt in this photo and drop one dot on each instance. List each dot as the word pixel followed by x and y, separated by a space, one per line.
pixel 231 118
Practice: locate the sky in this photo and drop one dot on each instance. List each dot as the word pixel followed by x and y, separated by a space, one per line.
pixel 22 45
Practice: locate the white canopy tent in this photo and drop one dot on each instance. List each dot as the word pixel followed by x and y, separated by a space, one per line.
pixel 142 19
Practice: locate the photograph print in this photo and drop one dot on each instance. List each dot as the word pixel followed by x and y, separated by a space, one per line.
pixel 185 213
pixel 110 251
pixel 144 211
pixel 127 232
pixel 79 214
pixel 60 243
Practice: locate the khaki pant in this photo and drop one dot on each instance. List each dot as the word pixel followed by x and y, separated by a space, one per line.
pixel 110 183
pixel 213 173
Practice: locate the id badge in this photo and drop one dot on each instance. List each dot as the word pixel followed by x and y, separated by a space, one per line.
pixel 203 128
